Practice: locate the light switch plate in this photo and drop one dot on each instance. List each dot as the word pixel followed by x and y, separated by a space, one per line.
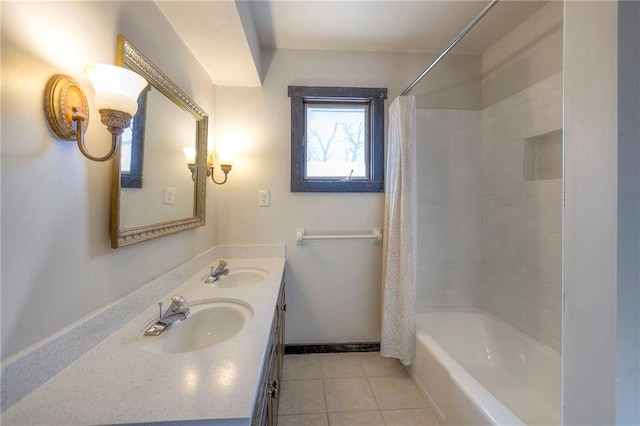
pixel 169 196
pixel 264 198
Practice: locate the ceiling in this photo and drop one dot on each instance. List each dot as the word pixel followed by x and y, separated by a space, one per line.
pixel 227 36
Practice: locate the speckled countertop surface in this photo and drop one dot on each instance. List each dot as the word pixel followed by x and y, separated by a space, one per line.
pixel 118 382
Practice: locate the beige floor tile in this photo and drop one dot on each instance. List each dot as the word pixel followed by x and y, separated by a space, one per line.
pixel 303 420
pixel 296 367
pixel 357 418
pixel 302 397
pixel 342 365
pixel 349 394
pixel 399 392
pixel 383 367
pixel 421 417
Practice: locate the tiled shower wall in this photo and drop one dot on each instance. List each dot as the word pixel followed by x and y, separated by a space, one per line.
pixel 449 208
pixel 488 238
pixel 522 220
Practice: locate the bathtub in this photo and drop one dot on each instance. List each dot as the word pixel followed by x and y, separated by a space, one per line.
pixel 478 370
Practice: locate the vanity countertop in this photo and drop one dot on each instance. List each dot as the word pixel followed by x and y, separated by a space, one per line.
pixel 118 382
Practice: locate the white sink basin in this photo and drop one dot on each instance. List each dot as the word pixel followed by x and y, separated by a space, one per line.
pixel 240 278
pixel 210 322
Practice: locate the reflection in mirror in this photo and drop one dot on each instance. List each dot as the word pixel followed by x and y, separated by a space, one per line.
pixel 163 167
pixel 132 150
pixel 153 193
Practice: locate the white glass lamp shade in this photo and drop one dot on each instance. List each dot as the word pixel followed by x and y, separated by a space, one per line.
pixel 226 155
pixel 189 154
pixel 115 87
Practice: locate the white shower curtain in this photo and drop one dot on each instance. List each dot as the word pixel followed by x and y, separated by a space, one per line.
pixel 399 246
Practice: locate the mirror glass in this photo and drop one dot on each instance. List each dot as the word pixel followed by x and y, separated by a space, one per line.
pixel 153 191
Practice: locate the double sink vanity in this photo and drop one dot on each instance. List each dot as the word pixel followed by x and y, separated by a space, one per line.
pixel 220 364
pixel 211 353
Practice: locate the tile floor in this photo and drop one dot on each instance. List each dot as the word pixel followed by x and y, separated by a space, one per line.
pixel 350 389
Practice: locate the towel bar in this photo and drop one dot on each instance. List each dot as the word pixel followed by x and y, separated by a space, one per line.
pixel 376 236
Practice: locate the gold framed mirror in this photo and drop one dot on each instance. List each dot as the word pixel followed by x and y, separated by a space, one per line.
pixel 153 192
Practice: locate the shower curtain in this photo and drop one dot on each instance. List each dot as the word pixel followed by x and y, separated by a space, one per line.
pixel 399 246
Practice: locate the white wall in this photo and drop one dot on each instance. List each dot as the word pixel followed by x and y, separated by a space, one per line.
pixel 590 216
pixel 528 54
pixel 602 104
pixel 333 288
pixel 57 264
pixel 449 208
pixel 522 220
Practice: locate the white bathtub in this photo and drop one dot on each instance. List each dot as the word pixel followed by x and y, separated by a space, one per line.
pixel 478 370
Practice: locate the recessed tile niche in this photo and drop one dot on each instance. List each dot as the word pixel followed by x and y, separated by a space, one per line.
pixel 543 156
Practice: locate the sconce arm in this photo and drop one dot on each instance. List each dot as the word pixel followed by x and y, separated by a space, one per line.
pixel 115 141
pixel 116 122
pixel 226 168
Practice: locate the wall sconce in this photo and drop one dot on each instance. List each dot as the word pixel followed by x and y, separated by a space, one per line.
pixel 225 166
pixel 116 97
pixel 190 158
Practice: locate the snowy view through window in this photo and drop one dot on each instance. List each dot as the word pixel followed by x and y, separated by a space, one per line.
pixel 336 142
pixel 125 149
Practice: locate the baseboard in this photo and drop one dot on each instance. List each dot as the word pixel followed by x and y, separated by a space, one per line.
pixel 325 348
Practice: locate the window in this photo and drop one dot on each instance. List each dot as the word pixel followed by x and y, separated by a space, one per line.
pixel 132 146
pixel 337 139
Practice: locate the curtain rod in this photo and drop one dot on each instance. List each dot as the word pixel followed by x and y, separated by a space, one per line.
pixel 451 46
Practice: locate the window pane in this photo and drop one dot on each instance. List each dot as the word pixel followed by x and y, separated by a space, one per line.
pixel 336 142
pixel 125 149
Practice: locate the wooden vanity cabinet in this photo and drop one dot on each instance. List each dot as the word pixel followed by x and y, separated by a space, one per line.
pixel 265 412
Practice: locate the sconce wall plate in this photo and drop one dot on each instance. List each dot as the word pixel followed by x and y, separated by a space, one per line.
pixel 64 98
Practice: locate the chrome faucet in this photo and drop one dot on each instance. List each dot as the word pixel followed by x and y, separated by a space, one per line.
pixel 178 311
pixel 218 272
